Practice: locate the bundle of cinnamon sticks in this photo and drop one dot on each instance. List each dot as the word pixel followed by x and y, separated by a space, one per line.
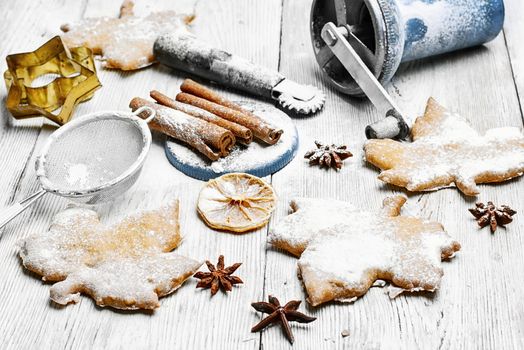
pixel 206 121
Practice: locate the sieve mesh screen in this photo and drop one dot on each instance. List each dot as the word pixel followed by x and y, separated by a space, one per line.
pixel 93 154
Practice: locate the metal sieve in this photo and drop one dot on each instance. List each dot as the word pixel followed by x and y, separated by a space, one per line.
pixel 92 159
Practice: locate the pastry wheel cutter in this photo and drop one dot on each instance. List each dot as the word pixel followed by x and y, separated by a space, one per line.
pixel 185 52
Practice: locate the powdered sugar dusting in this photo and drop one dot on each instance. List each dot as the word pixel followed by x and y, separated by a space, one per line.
pixel 77 174
pixel 126 266
pixel 343 250
pixel 447 151
pixel 187 127
pixel 299 228
pixel 127 42
pixel 501 151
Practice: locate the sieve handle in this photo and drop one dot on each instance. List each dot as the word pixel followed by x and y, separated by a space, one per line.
pixel 149 110
pixel 13 211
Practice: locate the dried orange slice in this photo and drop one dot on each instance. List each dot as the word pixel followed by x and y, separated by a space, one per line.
pixel 236 202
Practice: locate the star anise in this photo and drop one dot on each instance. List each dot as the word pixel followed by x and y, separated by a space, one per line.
pixel 218 277
pixel 283 314
pixel 491 215
pixel 328 156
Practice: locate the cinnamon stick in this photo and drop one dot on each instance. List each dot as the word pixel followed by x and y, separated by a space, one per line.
pixel 209 139
pixel 243 134
pixel 261 129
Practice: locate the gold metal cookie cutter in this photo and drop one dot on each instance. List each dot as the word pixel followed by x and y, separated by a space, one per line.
pixel 76 81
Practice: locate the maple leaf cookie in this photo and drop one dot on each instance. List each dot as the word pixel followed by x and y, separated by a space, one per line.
pixel 127 266
pixel 343 250
pixel 127 42
pixel 446 151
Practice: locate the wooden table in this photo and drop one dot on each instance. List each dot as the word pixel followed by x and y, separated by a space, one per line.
pixel 479 304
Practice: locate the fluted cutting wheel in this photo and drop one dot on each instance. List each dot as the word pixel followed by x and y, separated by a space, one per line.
pixel 303 107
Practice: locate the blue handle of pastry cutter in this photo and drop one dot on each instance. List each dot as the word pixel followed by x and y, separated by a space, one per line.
pixel 13 211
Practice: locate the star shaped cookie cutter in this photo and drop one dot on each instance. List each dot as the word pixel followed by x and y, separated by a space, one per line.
pixel 76 81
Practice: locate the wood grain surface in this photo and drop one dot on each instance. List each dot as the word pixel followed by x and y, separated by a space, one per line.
pixel 479 304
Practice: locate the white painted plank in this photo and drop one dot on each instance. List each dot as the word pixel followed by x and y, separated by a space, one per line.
pixel 189 318
pixel 23 28
pixel 513 29
pixel 477 306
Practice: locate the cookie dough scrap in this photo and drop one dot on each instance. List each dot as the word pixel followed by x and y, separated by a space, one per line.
pixel 125 43
pixel 126 266
pixel 343 250
pixel 446 151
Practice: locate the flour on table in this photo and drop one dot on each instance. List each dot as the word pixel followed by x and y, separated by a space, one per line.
pixel 77 175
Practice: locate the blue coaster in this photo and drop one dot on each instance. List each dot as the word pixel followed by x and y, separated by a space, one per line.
pixel 256 159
